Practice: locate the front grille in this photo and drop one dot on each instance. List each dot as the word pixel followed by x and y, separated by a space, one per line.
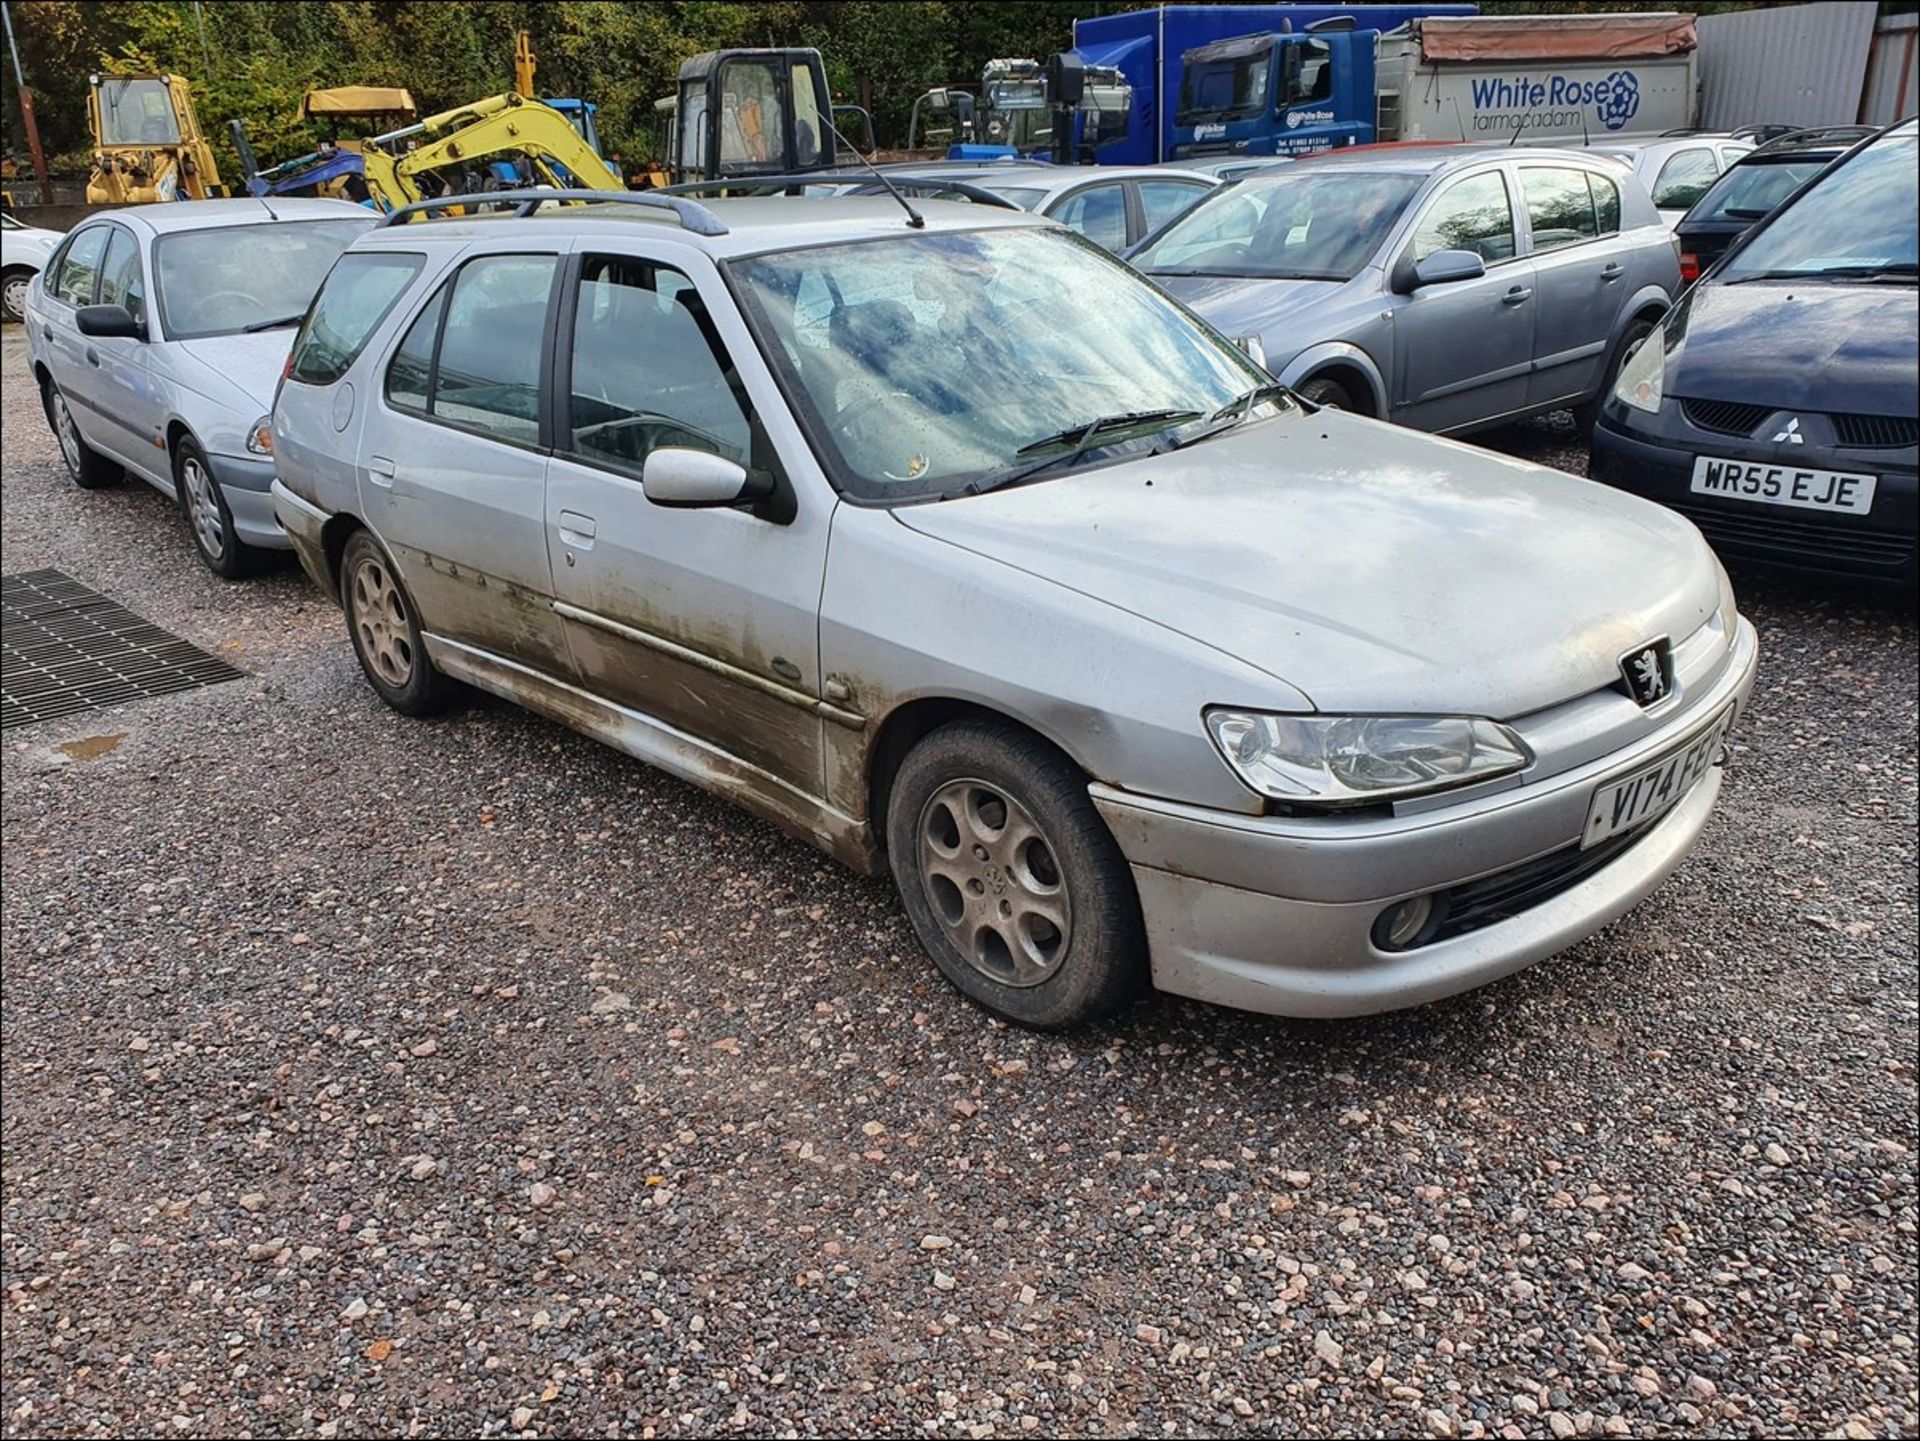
pixel 1789 539
pixel 69 649
pixel 1877 432
pixel 1725 417
pixel 1505 894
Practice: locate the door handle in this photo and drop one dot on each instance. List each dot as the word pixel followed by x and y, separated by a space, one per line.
pixel 1517 296
pixel 380 470
pixel 46 332
pixel 577 530
pixel 93 356
pixel 1612 272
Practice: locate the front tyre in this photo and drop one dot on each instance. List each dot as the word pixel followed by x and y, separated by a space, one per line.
pixel 386 631
pixel 209 520
pixel 1325 392
pixel 1011 879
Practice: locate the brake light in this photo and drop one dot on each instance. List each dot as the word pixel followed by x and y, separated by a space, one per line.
pixel 1689 267
pixel 286 371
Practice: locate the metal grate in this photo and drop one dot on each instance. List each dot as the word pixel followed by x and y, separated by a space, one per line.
pixel 1877 432
pixel 1727 417
pixel 69 649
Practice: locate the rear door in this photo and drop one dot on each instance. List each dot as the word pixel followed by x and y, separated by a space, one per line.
pixel 453 460
pixel 71 283
pixel 1584 270
pixel 1462 351
pixel 705 619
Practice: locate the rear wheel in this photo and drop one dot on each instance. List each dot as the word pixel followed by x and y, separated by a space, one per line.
pixel 1588 414
pixel 386 631
pixel 1325 392
pixel 1010 877
pixel 90 469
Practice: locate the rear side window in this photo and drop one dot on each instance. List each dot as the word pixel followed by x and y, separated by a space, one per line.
pixel 1559 207
pixel 356 297
pixel 1684 179
pixel 1606 203
pixel 80 267
pixel 481 344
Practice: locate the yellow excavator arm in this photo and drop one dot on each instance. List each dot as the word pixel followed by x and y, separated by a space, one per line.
pixel 501 125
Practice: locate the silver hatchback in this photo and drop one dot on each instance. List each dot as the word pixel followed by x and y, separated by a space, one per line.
pixel 1125 661
pixel 1441 287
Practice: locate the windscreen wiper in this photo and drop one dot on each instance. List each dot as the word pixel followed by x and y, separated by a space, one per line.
pixel 1076 438
pixel 1231 414
pixel 274 324
pixel 1901 272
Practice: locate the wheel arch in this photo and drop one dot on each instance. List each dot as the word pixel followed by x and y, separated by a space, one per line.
pixel 1347 363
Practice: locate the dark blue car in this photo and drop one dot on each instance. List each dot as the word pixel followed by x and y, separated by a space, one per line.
pixel 1778 406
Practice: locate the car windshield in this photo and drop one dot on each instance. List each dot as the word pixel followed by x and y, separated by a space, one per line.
pixel 934 362
pixel 1750 191
pixel 1225 89
pixel 1296 224
pixel 239 277
pixel 1861 218
pixel 137 112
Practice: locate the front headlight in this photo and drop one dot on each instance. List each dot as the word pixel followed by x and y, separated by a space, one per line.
pixel 260 436
pixel 1643 379
pixel 1349 760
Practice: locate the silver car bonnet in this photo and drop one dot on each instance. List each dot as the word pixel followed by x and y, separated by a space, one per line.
pixel 1238 304
pixel 1373 568
pixel 248 364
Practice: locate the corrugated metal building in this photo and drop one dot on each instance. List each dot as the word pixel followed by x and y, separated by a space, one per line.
pixel 1805 65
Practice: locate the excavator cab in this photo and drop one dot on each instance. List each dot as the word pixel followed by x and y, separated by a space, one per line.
pixel 742 113
pixel 147 144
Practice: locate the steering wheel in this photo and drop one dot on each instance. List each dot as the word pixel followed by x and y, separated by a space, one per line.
pixel 209 304
pixel 654 432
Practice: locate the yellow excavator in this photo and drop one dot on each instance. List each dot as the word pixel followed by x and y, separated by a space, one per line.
pixel 449 153
pixel 147 144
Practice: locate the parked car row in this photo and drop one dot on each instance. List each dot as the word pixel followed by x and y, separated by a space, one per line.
pixel 1128 662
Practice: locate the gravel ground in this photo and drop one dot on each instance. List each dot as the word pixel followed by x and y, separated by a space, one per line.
pixel 367 1076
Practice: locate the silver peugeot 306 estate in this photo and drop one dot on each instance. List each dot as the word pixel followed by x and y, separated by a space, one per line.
pixel 948 543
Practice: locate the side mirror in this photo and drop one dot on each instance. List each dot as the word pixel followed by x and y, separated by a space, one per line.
pixel 1443 267
pixel 108 322
pixel 1251 347
pixel 691 479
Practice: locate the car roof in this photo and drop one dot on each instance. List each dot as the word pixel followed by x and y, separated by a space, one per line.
pixel 166 218
pixel 749 225
pixel 1426 157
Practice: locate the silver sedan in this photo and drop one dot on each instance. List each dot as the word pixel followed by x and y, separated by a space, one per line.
pixel 157 335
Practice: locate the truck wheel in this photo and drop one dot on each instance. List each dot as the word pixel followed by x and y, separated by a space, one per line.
pixel 90 469
pixel 1011 879
pixel 386 631
pixel 1325 392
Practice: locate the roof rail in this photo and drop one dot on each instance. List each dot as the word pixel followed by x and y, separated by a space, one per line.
pixel 1821 135
pixel 853 182
pixel 692 215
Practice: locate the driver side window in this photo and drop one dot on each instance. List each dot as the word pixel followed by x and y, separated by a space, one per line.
pixel 648 369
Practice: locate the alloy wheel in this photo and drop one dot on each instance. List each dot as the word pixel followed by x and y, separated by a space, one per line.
pixel 63 430
pixel 380 621
pixel 203 508
pixel 995 885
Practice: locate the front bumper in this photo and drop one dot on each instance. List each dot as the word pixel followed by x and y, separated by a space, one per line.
pixel 1659 465
pixel 1276 914
pixel 246 485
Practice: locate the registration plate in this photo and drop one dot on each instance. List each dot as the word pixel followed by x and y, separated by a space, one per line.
pixel 1832 490
pixel 1654 789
